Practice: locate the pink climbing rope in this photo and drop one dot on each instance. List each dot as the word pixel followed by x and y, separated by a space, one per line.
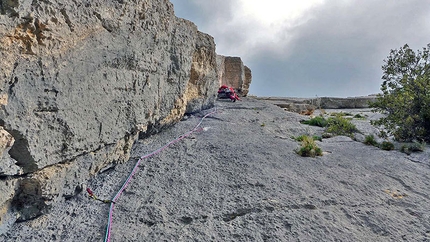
pixel 133 172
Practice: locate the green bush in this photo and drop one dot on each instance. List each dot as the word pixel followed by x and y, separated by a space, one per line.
pixel 302 137
pixel 359 116
pixel 316 121
pixel 405 95
pixel 316 137
pixel 370 140
pixel 386 145
pixel 341 114
pixel 309 148
pixel 405 149
pixel 299 138
pixel 414 147
pixel 417 147
pixel 340 126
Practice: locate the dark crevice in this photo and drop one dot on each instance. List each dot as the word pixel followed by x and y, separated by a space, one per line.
pixel 146 82
pixel 12 84
pixel 416 160
pixel 46 110
pixel 11 177
pixel 186 220
pixel 40 28
pixel 67 19
pixel 78 189
pixel 8 7
pixel 28 201
pixel 244 211
pixel 21 153
pixel 240 212
pixel 108 169
pixel 149 223
pixel 151 130
pixel 98 16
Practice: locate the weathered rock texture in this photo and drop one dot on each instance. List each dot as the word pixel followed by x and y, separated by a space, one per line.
pixel 233 73
pixel 81 80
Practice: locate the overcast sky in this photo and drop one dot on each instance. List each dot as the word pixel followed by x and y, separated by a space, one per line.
pixel 311 48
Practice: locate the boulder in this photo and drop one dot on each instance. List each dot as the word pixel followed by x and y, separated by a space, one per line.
pixel 82 80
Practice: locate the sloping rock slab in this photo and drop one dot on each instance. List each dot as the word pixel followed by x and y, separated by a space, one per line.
pixel 239 179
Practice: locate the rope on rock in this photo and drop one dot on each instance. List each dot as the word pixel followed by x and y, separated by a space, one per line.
pixel 125 184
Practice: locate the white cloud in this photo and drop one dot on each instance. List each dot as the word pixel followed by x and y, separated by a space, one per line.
pixel 274 12
pixel 259 23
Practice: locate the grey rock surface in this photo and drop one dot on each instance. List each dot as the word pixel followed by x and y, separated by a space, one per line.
pixel 238 179
pixel 81 80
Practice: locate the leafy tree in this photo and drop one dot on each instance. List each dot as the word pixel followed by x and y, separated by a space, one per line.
pixel 405 97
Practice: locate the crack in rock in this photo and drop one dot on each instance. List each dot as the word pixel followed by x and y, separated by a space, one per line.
pixel 240 212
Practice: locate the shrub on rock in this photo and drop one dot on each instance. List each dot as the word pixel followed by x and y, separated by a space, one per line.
pixel 370 140
pixel 316 121
pixel 405 95
pixel 308 147
pixel 386 145
pixel 340 126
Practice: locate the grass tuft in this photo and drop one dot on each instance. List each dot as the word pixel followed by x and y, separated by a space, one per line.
pixel 414 147
pixel 340 126
pixel 370 140
pixel 316 121
pixel 308 147
pixel 386 145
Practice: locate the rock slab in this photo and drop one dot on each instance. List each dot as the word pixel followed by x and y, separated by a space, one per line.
pixel 239 179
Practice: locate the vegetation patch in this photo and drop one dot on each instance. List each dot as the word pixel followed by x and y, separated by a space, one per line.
pixel 337 125
pixel 414 147
pixel 359 116
pixel 370 140
pixel 308 147
pixel 386 145
pixel 316 121
pixel 341 114
pixel 340 126
pixel 302 137
pixel 405 95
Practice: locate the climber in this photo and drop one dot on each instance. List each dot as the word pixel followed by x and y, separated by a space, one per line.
pixel 225 92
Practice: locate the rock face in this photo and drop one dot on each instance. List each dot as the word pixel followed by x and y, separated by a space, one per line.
pixel 81 80
pixel 233 73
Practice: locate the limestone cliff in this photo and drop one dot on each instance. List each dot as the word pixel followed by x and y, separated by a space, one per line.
pixel 81 80
pixel 232 72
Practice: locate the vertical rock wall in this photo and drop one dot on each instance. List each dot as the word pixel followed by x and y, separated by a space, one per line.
pixel 80 81
pixel 247 82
